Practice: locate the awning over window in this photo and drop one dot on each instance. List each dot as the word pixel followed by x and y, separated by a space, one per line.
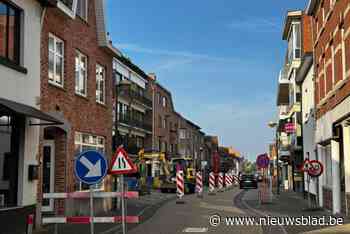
pixel 29 111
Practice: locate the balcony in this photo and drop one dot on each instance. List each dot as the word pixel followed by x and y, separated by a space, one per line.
pixel 124 90
pixel 128 120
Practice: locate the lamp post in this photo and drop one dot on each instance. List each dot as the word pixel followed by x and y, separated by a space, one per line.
pixel 274 125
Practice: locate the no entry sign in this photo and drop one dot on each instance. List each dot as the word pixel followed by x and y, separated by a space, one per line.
pixel 262 161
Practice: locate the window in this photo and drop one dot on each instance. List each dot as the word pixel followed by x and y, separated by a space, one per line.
pixel 100 84
pixel 82 9
pixel 164 101
pixel 294 43
pixel 182 134
pixel 9 32
pixel 117 77
pixel 80 74
pixel 159 99
pixel 159 121
pixel 68 3
pixel 85 142
pixel 164 123
pixel 56 60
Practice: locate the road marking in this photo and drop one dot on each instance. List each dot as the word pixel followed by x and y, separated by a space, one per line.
pixel 195 230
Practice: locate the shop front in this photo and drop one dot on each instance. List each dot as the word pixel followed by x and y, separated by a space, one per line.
pixel 19 141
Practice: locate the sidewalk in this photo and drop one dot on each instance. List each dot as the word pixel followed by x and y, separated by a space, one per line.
pixel 144 207
pixel 291 204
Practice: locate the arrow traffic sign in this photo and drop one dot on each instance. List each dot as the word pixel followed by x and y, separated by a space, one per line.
pixel 121 163
pixel 90 167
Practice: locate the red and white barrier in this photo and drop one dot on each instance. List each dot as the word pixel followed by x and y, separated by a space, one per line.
pixel 30 222
pixel 84 195
pixel 235 180
pixel 199 183
pixel 227 180
pixel 211 183
pixel 87 219
pixel 220 181
pixel 180 185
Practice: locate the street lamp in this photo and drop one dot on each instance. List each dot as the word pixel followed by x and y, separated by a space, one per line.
pixel 274 125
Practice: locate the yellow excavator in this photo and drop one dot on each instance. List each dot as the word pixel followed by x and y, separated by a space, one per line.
pixel 167 180
pixel 180 163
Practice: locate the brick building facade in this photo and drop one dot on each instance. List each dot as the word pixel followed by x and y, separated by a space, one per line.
pixel 164 120
pixel 331 43
pixel 76 87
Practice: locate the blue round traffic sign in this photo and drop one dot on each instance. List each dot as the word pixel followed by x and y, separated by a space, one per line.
pixel 263 161
pixel 90 167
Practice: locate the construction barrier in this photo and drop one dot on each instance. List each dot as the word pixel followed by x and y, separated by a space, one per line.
pixel 220 181
pixel 30 221
pixel 211 183
pixel 88 219
pixel 227 180
pixel 180 186
pixel 199 184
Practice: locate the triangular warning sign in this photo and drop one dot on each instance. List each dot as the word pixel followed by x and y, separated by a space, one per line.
pixel 121 164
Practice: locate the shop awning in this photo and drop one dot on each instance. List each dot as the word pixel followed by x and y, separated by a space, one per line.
pixel 22 109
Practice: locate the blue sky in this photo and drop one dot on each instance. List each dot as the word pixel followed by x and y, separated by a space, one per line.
pixel 220 59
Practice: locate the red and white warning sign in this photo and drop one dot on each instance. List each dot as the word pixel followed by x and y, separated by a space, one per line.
pixel 121 163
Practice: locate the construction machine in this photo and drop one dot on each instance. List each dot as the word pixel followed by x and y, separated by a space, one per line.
pixel 186 165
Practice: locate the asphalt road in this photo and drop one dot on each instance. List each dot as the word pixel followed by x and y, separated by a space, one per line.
pixel 193 216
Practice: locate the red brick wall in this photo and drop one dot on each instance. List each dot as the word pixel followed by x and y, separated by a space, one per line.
pixel 307 34
pixel 164 112
pixel 83 114
pixel 327 34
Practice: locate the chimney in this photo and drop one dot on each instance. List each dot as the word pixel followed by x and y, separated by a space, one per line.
pixel 152 76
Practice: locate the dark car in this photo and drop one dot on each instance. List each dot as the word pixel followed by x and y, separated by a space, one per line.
pixel 248 182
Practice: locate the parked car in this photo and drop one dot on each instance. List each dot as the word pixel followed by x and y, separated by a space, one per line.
pixel 248 182
pixel 259 178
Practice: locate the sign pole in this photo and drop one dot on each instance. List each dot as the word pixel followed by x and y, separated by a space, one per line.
pixel 91 210
pixel 123 204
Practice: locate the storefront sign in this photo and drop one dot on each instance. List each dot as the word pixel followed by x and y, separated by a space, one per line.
pixel 289 128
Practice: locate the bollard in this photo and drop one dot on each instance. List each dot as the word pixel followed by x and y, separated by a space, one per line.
pixel 220 182
pixel 199 184
pixel 211 183
pixel 30 220
pixel 180 187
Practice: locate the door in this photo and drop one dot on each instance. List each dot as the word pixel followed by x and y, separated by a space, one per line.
pixel 48 174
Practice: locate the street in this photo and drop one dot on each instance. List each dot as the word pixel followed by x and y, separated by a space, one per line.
pixel 193 216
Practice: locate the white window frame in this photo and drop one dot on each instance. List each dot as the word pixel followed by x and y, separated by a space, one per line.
pixel 78 140
pixel 98 84
pixel 80 69
pixel 70 12
pixel 164 101
pixel 182 133
pixel 86 9
pixel 53 79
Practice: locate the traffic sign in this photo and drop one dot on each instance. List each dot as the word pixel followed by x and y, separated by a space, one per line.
pixel 121 164
pixel 314 168
pixel 263 161
pixel 90 167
